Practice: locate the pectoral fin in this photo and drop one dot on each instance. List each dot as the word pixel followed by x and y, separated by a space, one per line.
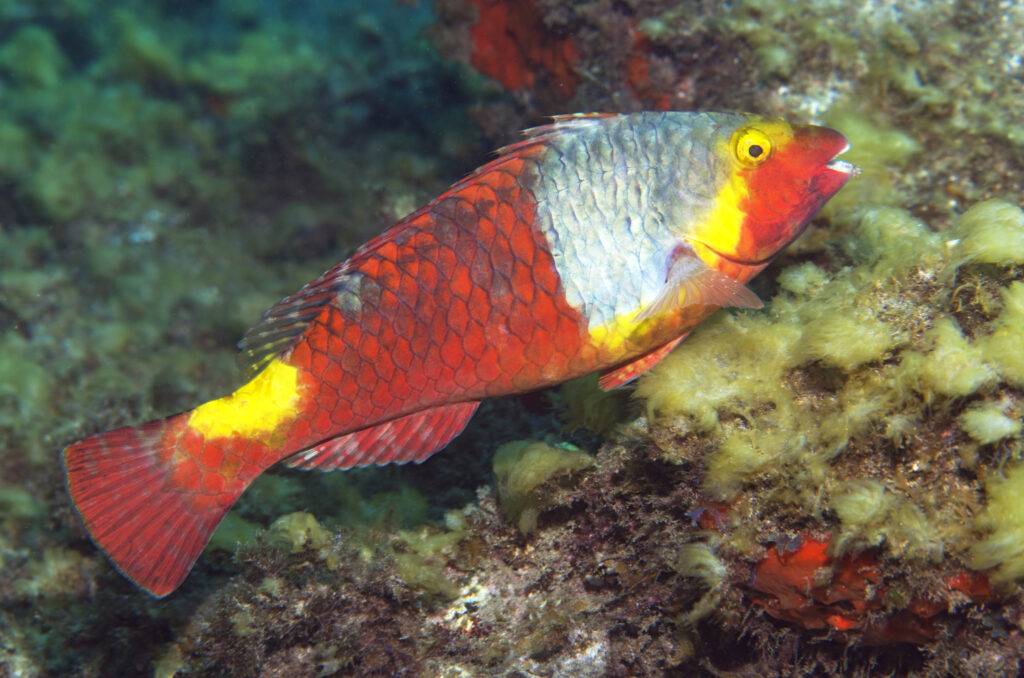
pixel 691 282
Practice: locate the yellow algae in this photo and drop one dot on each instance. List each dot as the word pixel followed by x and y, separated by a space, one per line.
pixel 583 404
pixel 992 232
pixel 297 531
pixel 802 279
pixel 871 515
pixel 913 534
pixel 743 377
pixel 861 355
pixel 989 423
pixel 731 359
pixel 520 466
pixel 845 338
pixel 1002 522
pixel 57 571
pixel 861 506
pixel 745 454
pixel 424 563
pixel 1002 349
pixel 890 241
pixel 699 560
pixel 953 366
pixel 875 148
pixel 169 663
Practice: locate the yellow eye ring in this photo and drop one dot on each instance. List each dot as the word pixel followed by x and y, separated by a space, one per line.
pixel 752 147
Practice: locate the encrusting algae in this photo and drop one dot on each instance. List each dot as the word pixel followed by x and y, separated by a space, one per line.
pixel 813 405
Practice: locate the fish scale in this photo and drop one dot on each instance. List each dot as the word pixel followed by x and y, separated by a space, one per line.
pixel 612 234
pixel 595 244
pixel 455 320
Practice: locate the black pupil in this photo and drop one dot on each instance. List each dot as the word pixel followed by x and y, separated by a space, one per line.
pixel 755 151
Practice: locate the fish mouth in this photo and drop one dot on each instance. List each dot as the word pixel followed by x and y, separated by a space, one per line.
pixel 822 184
pixel 736 260
pixel 843 166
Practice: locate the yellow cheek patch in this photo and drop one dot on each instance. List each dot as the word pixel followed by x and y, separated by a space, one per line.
pixel 721 229
pixel 254 411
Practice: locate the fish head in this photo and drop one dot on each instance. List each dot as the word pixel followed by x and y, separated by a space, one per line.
pixel 776 177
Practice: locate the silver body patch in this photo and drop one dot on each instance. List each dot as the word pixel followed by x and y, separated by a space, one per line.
pixel 616 196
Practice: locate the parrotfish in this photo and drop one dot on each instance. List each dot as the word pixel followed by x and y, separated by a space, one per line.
pixel 594 244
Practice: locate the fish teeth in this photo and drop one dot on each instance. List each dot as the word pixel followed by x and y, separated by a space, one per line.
pixel 844 166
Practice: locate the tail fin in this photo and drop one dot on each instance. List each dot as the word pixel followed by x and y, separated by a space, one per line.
pixel 151 498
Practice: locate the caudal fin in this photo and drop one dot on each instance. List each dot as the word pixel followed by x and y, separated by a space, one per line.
pixel 151 498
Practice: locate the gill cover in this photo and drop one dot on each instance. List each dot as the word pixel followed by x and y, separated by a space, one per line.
pixel 779 177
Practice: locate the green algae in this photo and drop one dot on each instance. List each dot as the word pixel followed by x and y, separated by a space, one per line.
pixel 140 53
pixel 18 504
pixel 33 57
pixel 140 236
pixel 234 531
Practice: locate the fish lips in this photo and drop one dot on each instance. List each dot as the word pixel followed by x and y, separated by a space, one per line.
pixel 832 173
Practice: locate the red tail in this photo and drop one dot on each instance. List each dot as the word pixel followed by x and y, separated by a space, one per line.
pixel 146 500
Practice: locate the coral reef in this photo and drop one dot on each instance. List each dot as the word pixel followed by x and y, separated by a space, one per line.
pixel 826 485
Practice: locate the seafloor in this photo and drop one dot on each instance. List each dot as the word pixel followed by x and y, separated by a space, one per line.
pixel 830 485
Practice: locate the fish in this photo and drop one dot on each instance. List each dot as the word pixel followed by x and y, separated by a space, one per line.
pixel 593 244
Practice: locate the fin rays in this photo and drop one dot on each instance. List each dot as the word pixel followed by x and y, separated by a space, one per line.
pixel 151 528
pixel 413 437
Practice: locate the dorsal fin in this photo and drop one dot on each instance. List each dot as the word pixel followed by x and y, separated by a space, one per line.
pixel 558 124
pixel 288 318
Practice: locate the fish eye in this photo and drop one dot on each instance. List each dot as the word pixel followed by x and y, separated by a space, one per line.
pixel 752 147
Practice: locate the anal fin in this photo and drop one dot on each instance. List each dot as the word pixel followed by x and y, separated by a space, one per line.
pixel 413 437
pixel 623 374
